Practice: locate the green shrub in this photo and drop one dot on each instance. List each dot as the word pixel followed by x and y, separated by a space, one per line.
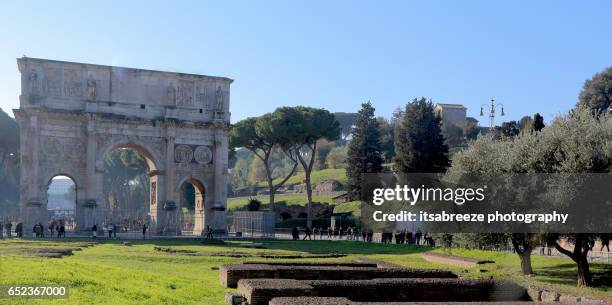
pixel 254 204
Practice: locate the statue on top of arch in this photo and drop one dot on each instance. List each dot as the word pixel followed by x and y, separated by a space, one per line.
pixel 219 113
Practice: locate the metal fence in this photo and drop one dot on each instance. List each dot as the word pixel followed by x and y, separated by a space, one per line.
pixel 257 224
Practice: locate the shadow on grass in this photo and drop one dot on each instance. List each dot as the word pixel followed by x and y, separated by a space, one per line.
pixel 566 274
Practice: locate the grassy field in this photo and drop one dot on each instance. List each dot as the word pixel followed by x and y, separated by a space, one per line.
pixel 318 176
pixel 237 203
pixel 111 273
pixel 351 206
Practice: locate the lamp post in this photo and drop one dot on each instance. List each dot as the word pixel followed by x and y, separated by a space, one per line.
pixel 492 107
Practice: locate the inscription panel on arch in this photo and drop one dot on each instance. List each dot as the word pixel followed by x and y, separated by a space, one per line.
pixel 193 154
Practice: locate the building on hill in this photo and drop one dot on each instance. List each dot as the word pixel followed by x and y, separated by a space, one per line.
pixel 451 114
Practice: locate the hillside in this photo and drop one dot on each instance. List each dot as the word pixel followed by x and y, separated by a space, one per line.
pixel 296 182
pixel 238 203
pixel 338 174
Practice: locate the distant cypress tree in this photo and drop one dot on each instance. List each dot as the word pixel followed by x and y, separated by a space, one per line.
pixel 538 122
pixel 365 152
pixel 419 143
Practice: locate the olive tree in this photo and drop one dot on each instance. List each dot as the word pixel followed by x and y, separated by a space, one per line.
pixel 575 143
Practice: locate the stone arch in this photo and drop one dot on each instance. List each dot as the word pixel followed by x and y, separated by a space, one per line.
pixel 152 156
pixel 74 120
pixel 190 179
pixel 200 202
pixel 74 221
pixel 76 179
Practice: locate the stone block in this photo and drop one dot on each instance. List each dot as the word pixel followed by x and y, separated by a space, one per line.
pixel 261 291
pixel 231 274
pixel 233 298
pixel 535 294
pixel 550 296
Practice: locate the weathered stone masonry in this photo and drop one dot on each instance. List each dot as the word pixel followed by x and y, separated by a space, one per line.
pixel 72 114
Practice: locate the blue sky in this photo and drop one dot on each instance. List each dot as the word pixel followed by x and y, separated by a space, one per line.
pixel 532 56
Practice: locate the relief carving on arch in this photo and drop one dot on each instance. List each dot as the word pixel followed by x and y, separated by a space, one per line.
pixel 184 95
pixel 202 155
pixel 201 97
pixel 73 83
pixel 64 149
pixel 33 79
pixel 186 156
pixel 52 84
pixel 183 153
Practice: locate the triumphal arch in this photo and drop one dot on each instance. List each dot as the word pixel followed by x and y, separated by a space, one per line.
pixel 72 114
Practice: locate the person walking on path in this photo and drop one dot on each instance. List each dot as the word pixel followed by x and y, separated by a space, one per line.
pixel 209 232
pixel 109 228
pixel 61 231
pixel 307 232
pixel 51 226
pixel 115 231
pixel 418 236
pixel 94 231
pixel 9 228
pixel 295 233
pixel 36 230
pixel 19 230
pixel 144 230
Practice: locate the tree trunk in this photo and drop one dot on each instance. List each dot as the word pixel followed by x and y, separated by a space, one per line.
pixel 271 198
pixel 579 256
pixel 271 189
pixel 584 274
pixel 526 263
pixel 309 195
pixel 265 160
pixel 523 245
pixel 307 171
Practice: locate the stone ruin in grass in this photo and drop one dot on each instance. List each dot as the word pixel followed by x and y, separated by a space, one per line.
pixel 231 274
pixel 337 283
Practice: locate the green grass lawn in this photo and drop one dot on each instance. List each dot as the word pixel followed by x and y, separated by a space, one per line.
pixel 237 203
pixel 111 273
pixel 351 206
pixel 318 176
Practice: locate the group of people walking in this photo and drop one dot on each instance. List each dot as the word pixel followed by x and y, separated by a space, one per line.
pixel 56 228
pixel 6 228
pixel 341 233
pixel 112 229
pixel 407 237
pixel 350 233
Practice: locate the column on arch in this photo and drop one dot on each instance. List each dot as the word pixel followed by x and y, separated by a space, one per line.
pixel 164 203
pixel 92 209
pixel 33 209
pixel 216 214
